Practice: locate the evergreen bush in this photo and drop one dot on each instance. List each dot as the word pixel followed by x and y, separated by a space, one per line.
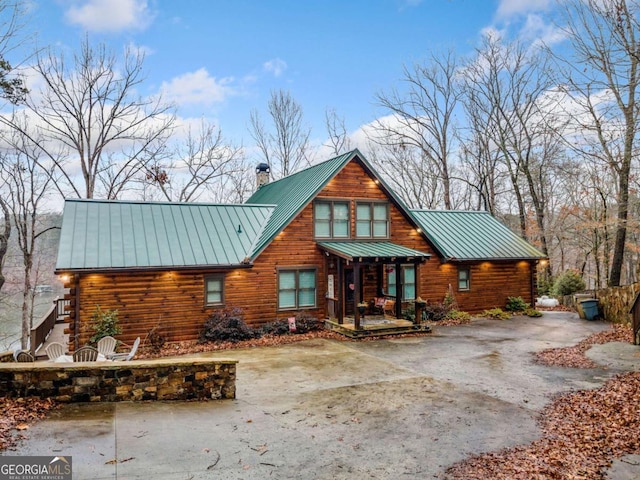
pixel 568 283
pixel 516 304
pixel 104 324
pixel 496 313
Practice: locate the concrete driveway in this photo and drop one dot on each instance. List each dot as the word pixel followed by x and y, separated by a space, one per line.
pixel 321 409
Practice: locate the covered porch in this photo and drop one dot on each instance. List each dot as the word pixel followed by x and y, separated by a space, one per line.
pixel 369 284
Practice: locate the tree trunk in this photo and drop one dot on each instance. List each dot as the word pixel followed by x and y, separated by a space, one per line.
pixel 26 314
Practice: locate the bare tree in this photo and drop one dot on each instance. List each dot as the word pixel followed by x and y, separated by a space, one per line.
pixel 507 85
pixel 422 117
pixel 12 90
pixel 27 185
pixel 92 119
pixel 408 172
pixel 602 79
pixel 285 145
pixel 339 140
pixel 480 158
pixel 197 166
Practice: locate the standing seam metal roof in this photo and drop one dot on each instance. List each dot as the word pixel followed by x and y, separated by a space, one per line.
pixel 470 235
pixel 101 234
pixel 368 249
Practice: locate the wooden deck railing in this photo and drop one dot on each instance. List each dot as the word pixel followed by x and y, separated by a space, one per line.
pixel 43 327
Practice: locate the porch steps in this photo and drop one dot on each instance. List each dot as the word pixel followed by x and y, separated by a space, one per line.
pixel 384 330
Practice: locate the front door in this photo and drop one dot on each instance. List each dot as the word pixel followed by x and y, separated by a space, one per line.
pixel 349 290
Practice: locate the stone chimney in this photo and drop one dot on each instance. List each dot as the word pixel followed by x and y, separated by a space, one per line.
pixel 262 174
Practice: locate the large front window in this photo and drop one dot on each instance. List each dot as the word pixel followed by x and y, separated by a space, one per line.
pixel 296 289
pixel 407 281
pixel 372 220
pixel 331 219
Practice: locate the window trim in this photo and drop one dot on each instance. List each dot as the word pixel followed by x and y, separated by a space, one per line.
pixel 214 276
pixel 372 221
pixel 297 270
pixel 466 269
pixel 332 219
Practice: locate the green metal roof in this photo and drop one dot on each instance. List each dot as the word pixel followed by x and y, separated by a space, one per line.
pixel 292 194
pixel 101 234
pixel 362 251
pixel 465 235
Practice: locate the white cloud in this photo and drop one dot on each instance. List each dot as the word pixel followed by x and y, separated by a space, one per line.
pixel 275 66
pixel 508 8
pixel 110 15
pixel 537 29
pixel 198 88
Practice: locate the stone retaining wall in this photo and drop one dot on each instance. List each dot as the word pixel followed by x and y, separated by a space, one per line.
pixel 162 379
pixel 615 302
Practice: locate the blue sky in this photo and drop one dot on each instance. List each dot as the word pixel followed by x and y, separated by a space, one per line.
pixel 219 59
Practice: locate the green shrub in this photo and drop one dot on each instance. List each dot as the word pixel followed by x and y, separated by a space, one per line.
pixel 458 315
pixel 226 325
pixel 545 285
pixel 516 304
pixel 104 324
pixel 568 283
pixel 449 301
pixel 532 312
pixel 496 313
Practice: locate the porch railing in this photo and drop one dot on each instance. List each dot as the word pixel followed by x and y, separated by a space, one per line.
pixel 44 326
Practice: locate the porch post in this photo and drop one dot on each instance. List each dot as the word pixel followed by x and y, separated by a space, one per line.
pixel 340 287
pixel 356 295
pixel 398 267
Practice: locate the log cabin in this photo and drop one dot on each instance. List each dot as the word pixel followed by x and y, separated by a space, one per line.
pixel 327 241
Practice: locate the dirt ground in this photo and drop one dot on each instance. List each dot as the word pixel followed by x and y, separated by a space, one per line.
pixel 323 409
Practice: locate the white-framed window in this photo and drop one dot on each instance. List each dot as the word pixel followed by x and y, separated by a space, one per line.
pixel 331 219
pixel 296 288
pixel 214 289
pixel 407 281
pixel 464 278
pixel 372 220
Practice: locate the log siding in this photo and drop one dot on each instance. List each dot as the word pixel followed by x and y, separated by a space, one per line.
pixel 175 300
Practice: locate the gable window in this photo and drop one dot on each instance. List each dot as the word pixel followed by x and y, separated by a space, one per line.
pixel 331 219
pixel 464 278
pixel 407 281
pixel 214 289
pixel 296 288
pixel 372 220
